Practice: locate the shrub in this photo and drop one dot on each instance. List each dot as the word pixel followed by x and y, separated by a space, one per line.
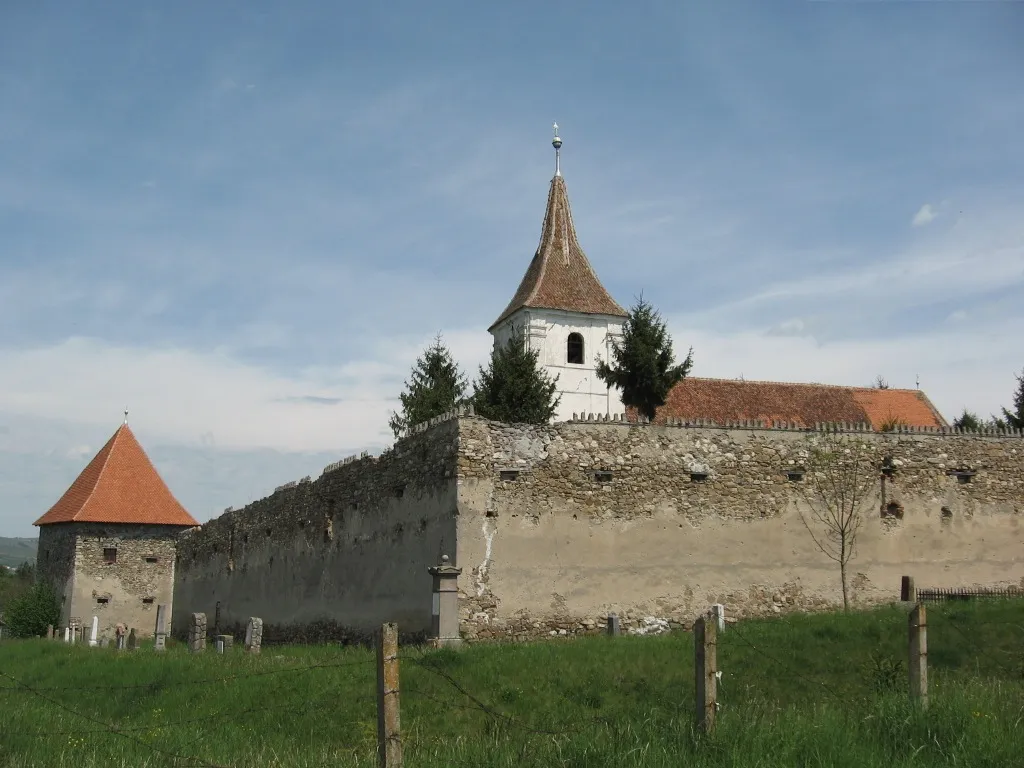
pixel 29 613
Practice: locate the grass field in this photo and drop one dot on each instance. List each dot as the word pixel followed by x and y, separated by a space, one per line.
pixel 14 552
pixel 818 690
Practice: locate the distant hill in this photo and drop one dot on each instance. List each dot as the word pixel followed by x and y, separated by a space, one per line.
pixel 16 551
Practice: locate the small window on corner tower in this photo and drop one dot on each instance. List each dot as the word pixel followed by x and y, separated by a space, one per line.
pixel 574 349
pixel 110 555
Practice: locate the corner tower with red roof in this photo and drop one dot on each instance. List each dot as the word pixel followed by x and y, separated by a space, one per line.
pixel 108 545
pixel 564 311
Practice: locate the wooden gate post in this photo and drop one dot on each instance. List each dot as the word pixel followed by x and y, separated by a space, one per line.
pixel 389 738
pixel 705 642
pixel 918 656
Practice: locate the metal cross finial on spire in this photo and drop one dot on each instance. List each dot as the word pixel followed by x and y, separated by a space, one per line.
pixel 557 144
pixel 125 415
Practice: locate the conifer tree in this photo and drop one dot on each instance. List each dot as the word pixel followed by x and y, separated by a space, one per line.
pixel 642 364
pixel 967 420
pixel 436 386
pixel 513 388
pixel 1014 419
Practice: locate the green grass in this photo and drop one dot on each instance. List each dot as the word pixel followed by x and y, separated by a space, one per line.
pixel 806 690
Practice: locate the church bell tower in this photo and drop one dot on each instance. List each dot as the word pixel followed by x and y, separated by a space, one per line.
pixel 564 311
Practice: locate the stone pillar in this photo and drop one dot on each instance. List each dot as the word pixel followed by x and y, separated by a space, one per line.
pixel 160 636
pixel 908 591
pixel 94 633
pixel 614 628
pixel 444 611
pixel 254 635
pixel 718 616
pixel 197 633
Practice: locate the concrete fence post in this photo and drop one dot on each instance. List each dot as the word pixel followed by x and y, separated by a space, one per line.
pixel 389 735
pixel 160 636
pixel 444 607
pixel 254 635
pixel 197 633
pixel 705 641
pixel 908 592
pixel 614 628
pixel 918 655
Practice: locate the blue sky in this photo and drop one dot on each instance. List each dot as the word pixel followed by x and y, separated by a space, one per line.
pixel 243 221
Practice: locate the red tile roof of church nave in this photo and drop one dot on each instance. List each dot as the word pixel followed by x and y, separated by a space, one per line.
pixel 119 485
pixel 725 400
pixel 560 275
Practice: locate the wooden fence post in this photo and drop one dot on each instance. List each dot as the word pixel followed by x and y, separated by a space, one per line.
pixel 918 661
pixel 389 738
pixel 705 641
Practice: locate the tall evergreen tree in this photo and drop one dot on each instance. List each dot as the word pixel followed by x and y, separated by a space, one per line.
pixel 435 387
pixel 514 388
pixel 1015 418
pixel 643 363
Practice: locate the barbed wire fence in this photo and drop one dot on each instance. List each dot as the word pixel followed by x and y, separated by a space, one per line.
pixel 714 640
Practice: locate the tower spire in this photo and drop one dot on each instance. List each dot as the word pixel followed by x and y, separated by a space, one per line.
pixel 557 144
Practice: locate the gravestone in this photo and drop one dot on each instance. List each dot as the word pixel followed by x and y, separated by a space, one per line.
pixel 228 641
pixel 133 641
pixel 120 632
pixel 197 633
pixel 160 637
pixel 254 635
pixel 104 642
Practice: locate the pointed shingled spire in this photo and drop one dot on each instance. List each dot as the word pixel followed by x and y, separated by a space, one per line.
pixel 120 485
pixel 560 275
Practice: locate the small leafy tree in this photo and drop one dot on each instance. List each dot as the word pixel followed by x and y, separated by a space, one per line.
pixel 514 388
pixel 1015 418
pixel 643 363
pixel 837 491
pixel 435 387
pixel 28 614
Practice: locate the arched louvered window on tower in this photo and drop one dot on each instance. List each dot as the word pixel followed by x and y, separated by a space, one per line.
pixel 574 349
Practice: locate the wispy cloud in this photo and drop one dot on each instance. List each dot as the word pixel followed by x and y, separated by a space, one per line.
pixel 925 215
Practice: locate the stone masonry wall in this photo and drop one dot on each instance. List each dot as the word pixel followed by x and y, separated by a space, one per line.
pixel 55 562
pixel 333 557
pixel 127 590
pixel 683 517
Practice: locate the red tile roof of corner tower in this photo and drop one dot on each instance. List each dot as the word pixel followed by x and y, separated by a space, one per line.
pixel 120 485
pixel 805 404
pixel 560 275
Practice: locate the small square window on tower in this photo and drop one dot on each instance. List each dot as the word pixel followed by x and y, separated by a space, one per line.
pixel 110 555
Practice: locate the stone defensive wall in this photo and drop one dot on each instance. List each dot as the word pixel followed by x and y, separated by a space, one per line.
pixel 555 527
pixel 332 557
pixel 561 525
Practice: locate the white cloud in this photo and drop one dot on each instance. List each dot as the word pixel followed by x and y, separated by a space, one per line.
pixel 191 397
pixel 925 215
